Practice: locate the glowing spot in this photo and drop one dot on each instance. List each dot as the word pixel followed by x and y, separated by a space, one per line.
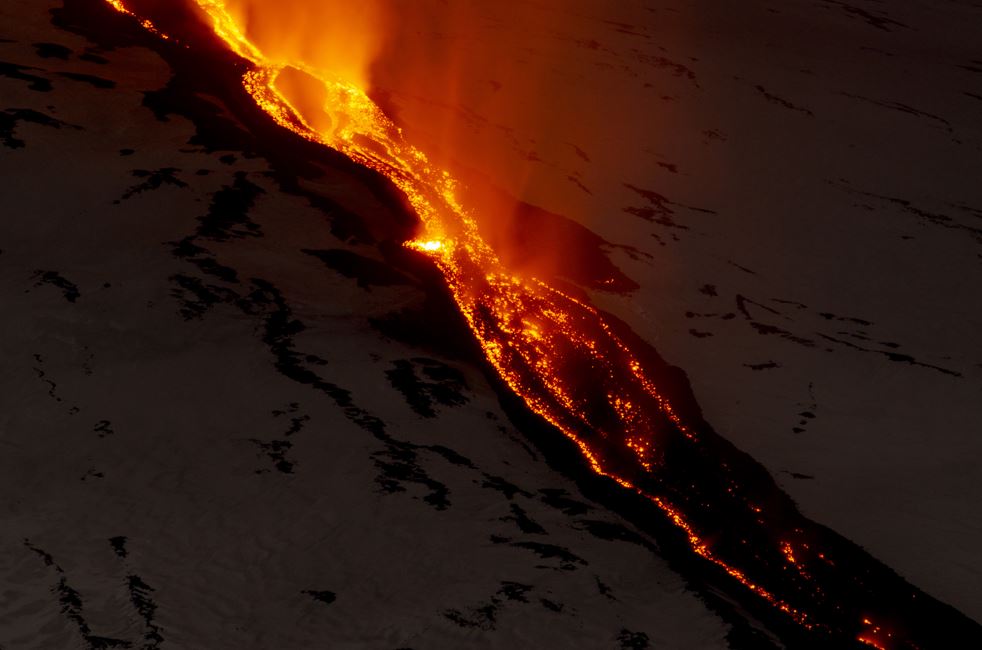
pixel 430 246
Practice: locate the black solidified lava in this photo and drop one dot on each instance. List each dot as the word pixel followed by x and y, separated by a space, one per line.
pixel 724 494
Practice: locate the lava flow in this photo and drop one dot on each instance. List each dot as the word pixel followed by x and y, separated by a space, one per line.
pixel 574 367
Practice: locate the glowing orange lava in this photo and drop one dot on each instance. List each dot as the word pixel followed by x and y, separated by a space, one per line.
pixel 529 331
pixel 537 337
pixel 874 635
pixel 119 6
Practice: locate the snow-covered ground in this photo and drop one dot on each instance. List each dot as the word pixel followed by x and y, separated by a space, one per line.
pixel 205 442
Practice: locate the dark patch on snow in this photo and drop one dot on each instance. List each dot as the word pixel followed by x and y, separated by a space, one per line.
pixel 70 601
pixel 140 597
pixel 660 210
pixel 103 428
pixel 924 215
pixel 604 589
pixel 767 365
pixel 228 215
pixel 523 521
pixel 322 596
pixel 551 605
pixel 11 117
pixel 559 499
pixel 154 180
pixel 902 108
pixel 743 304
pixel 484 616
pixel 52 51
pixel 808 414
pixel 501 485
pixel 830 316
pixel 296 423
pixel 566 559
pixel 657 211
pixel 68 288
pixel 42 375
pixel 92 80
pixel 799 476
pixel 92 57
pixel 275 451
pixel 397 465
pixel 633 640
pixel 612 532
pixel 449 455
pixel 195 297
pixel 34 82
pixel 514 591
pixel 188 250
pixel 897 357
pixel 425 383
pixel 778 313
pixel 659 62
pixel 724 316
pixel 118 545
pixel 779 101
pixel 879 20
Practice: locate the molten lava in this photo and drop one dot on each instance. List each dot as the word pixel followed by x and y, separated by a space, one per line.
pixel 570 364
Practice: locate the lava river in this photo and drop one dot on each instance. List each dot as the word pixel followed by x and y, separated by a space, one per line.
pixel 588 376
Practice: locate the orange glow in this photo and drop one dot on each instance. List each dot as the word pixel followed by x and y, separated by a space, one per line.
pixel 788 552
pixel 430 246
pixel 528 329
pixel 875 636
pixel 146 24
pixel 536 336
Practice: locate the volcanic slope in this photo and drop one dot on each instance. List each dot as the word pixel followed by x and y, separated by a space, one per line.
pixel 208 439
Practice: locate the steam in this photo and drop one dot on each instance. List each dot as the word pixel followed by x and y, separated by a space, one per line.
pixel 340 38
pixel 463 79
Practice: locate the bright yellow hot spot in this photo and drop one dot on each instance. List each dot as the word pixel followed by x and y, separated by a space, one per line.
pixel 429 246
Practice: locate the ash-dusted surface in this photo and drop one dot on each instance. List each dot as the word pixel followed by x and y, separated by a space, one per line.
pixel 206 445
